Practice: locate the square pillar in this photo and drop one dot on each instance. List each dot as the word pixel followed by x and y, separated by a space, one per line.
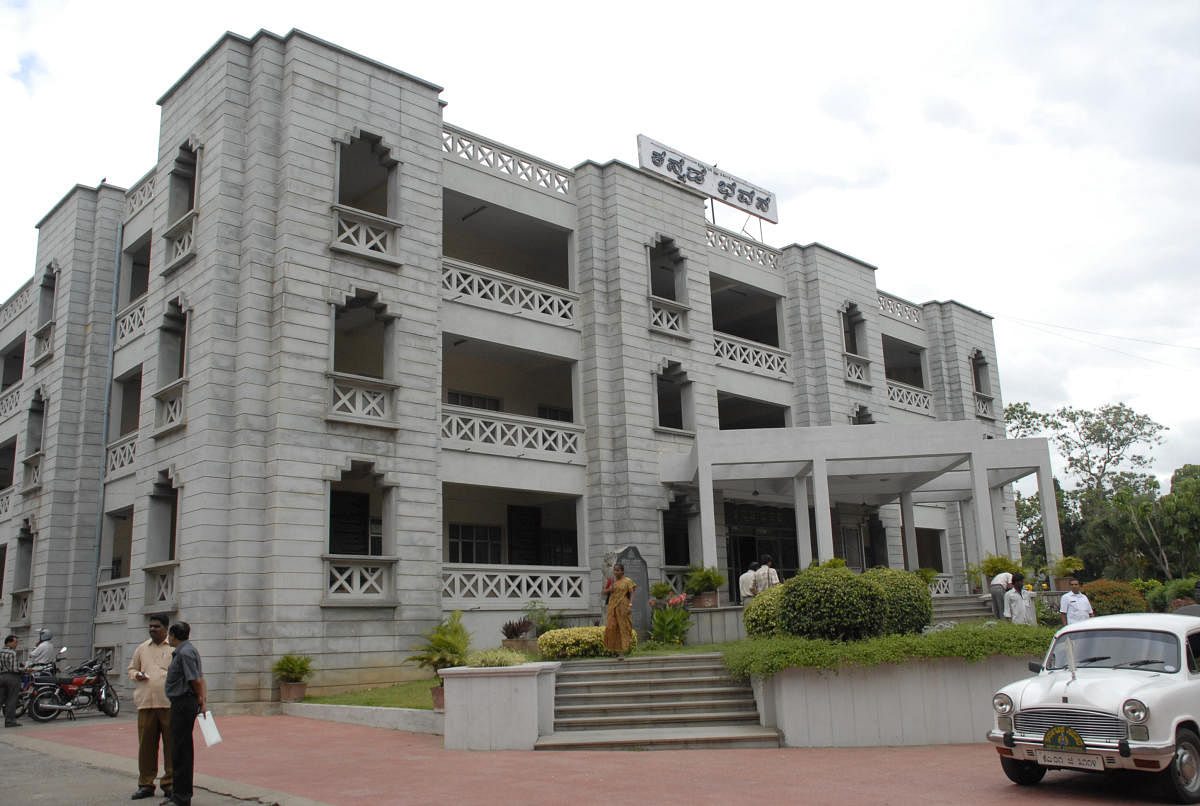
pixel 820 478
pixel 803 535
pixel 910 531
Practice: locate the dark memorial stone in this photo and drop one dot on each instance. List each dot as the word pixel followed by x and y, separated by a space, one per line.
pixel 635 568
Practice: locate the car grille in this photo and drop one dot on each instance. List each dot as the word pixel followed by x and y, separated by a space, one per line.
pixel 1093 726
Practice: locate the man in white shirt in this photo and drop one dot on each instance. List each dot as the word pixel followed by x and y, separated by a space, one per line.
pixel 766 576
pixel 746 584
pixel 1018 603
pixel 44 651
pixel 1000 584
pixel 1074 605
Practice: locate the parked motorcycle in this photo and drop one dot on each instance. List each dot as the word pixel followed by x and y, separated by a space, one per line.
pixel 34 679
pixel 80 689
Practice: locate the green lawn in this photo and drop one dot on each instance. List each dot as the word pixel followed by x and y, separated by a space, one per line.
pixel 413 694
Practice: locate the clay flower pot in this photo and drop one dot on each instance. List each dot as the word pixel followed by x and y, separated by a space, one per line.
pixel 292 692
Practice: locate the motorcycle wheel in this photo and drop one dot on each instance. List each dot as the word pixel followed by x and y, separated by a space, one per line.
pixel 38 707
pixel 22 705
pixel 110 705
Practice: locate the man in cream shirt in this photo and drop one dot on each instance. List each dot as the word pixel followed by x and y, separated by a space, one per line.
pixel 148 671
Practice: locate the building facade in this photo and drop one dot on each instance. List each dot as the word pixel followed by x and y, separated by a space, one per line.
pixel 335 367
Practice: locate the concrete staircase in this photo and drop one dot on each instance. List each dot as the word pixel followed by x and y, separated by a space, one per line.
pixel 961 608
pixel 653 703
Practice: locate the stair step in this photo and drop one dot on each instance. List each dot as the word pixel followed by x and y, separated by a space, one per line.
pixel 655 720
pixel 676 738
pixel 619 698
pixel 651 708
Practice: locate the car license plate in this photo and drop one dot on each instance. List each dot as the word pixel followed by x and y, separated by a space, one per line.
pixel 1079 761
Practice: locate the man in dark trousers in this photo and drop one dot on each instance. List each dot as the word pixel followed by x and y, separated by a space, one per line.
pixel 10 681
pixel 187 692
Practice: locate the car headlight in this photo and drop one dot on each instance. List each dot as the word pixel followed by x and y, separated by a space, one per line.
pixel 1135 711
pixel 1002 703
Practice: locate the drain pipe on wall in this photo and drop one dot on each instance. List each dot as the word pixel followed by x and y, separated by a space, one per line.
pixel 112 329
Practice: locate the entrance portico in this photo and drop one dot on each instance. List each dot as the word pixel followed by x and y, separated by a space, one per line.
pixel 909 464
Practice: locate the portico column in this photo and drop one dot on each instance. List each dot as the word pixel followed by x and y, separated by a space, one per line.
pixel 1050 532
pixel 981 506
pixel 803 535
pixel 820 477
pixel 910 530
pixel 999 528
pixel 708 517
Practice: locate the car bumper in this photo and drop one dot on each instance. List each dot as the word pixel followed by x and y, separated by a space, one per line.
pixel 1122 755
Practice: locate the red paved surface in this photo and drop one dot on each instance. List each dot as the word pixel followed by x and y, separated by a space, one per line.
pixel 347 764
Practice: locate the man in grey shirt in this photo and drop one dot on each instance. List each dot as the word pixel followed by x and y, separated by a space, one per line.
pixel 187 692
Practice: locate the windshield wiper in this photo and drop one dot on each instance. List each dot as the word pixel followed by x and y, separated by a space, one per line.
pixel 1142 662
pixel 1093 659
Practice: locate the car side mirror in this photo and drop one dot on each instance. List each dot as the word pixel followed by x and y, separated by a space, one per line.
pixel 1035 667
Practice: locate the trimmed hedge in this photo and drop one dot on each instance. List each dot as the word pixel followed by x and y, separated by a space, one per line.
pixel 831 603
pixel 761 614
pixel 495 657
pixel 1109 597
pixel 907 602
pixel 576 642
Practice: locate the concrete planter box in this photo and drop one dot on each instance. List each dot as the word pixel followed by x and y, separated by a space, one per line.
pixel 500 708
pixel 944 701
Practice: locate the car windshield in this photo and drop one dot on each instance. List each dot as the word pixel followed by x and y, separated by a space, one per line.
pixel 1148 650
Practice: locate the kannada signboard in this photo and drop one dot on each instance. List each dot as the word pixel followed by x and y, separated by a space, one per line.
pixel 708 179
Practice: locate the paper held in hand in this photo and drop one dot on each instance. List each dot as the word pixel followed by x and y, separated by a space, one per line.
pixel 208 728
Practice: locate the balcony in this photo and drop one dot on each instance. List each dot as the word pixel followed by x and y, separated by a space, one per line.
pixel 169 407
pixel 162 587
pixel 899 309
pixel 181 241
pixel 358 580
pixel 16 304
pixel 506 162
pixel 121 456
pixel 736 246
pixel 942 585
pixel 985 406
pixel 501 434
pixel 858 369
pixel 131 322
pixel 668 316
pixel 362 400
pixel 750 356
pixel 364 234
pixel 43 343
pixel 31 477
pixel 20 608
pixel 112 600
pixel 510 587
pixel 506 293
pixel 6 502
pixel 10 401
pixel 909 398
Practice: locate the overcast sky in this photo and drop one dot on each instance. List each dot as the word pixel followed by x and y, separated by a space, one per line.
pixel 1039 161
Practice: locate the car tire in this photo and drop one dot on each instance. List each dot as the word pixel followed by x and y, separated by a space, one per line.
pixel 1183 775
pixel 1025 773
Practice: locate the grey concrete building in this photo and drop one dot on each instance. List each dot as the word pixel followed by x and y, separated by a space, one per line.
pixel 335 367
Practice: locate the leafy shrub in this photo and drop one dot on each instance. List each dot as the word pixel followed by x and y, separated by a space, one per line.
pixel 1066 566
pixel 907 602
pixel 831 603
pixel 293 668
pixel 703 580
pixel 516 629
pixel 662 590
pixel 927 575
pixel 495 657
pixel 1047 613
pixel 761 613
pixel 445 645
pixel 973 642
pixel 669 625
pixel 543 620
pixel 1160 598
pixel 1148 588
pixel 992 565
pixel 1109 597
pixel 576 642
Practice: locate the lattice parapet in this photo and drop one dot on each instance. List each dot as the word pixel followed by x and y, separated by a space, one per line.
pixel 506 162
pixel 858 369
pixel 130 323
pixel 365 234
pixel 162 585
pixel 742 248
pixel 668 316
pixel 6 502
pixel 17 303
pixel 910 397
pixel 140 195
pixel 20 607
pixel 112 597
pixel 353 578
pixel 10 402
pixel 757 358
pixel 181 241
pixel 942 585
pixel 169 406
pixel 512 586
pixel 510 435
pixel 361 398
pixel 985 406
pixel 899 309
pixel 508 293
pixel 122 454
pixel 32 473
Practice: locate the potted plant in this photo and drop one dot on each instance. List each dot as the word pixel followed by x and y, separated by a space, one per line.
pixel 445 645
pixel 703 584
pixel 515 633
pixel 1063 569
pixel 292 671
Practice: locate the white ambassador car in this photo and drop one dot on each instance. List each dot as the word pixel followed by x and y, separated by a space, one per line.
pixel 1114 692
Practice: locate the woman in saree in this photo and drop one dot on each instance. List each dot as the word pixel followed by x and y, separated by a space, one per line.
pixel 618 627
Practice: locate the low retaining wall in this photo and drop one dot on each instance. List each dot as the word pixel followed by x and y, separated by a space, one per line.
pixel 499 708
pixel 413 720
pixel 716 625
pixel 943 701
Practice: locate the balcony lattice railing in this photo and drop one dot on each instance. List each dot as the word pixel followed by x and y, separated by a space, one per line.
pixel 360 398
pixel 6 501
pixel 43 342
pixel 362 233
pixel 747 250
pixel 121 454
pixel 506 162
pixel 668 315
pixel 942 585
pixel 140 195
pixel 16 303
pixel 169 406
pixel 162 585
pixel 899 309
pixel 676 575
pixel 507 293
pixel 985 406
pixel 911 398
pixel 112 597
pixel 512 586
pixel 32 473
pixel 130 322
pixel 858 369
pixel 181 240
pixel 20 608
pixel 359 579
pixel 510 434
pixel 752 356
pixel 10 401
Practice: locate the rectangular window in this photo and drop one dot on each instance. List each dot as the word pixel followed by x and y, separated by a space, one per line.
pixel 473 401
pixel 475 543
pixel 555 413
pixel 8 461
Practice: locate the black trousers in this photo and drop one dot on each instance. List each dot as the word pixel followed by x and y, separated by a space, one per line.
pixel 183 717
pixel 10 690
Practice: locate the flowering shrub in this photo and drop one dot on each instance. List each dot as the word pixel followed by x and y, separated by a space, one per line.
pixel 669 620
pixel 576 642
pixel 495 657
pixel 1109 596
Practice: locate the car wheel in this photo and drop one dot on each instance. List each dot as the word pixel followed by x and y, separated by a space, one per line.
pixel 39 708
pixel 1025 773
pixel 1183 776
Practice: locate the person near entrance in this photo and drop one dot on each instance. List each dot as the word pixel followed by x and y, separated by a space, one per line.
pixel 766 576
pixel 1000 585
pixel 746 584
pixel 618 629
pixel 148 671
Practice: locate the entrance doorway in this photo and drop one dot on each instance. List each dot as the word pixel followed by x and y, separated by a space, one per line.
pixel 755 530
